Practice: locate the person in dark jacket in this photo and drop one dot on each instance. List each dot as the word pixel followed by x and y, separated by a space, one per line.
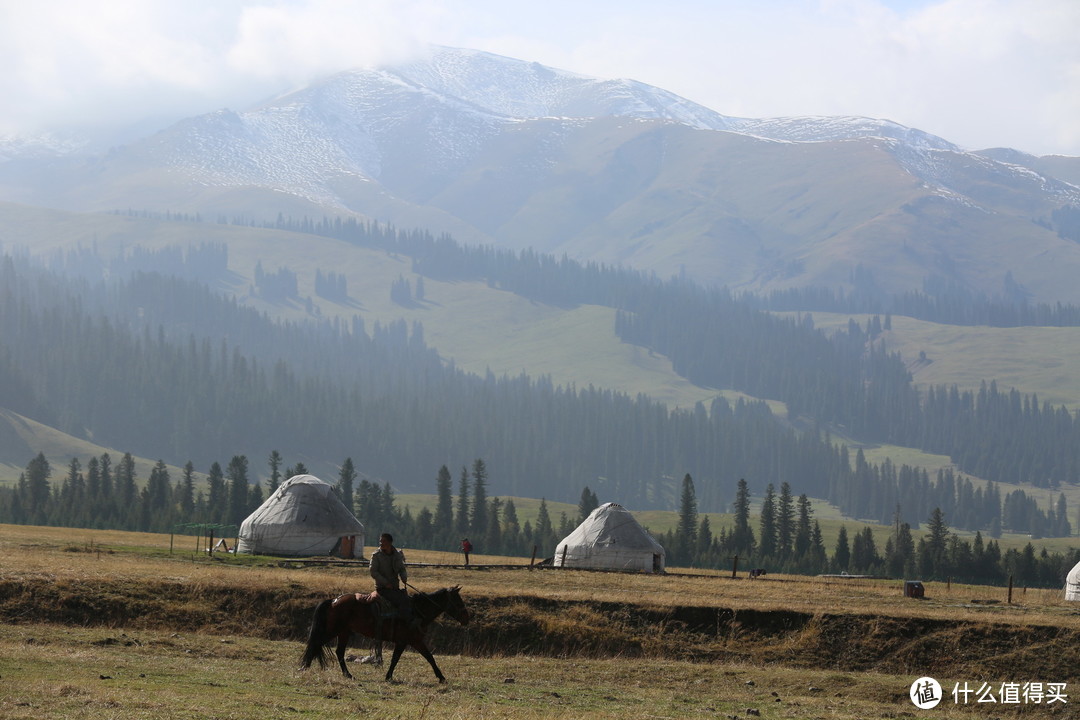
pixel 466 547
pixel 387 566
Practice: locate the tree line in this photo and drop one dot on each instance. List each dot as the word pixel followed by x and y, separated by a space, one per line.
pixel 788 539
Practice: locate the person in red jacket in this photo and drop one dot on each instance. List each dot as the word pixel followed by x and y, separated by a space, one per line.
pixel 466 547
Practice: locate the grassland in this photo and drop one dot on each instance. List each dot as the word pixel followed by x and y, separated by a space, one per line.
pixel 110 624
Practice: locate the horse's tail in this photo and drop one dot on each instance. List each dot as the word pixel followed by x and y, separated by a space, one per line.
pixel 317 637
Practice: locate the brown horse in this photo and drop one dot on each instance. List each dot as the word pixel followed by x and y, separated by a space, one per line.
pixel 348 614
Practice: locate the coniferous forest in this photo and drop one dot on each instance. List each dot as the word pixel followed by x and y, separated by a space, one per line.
pixel 159 364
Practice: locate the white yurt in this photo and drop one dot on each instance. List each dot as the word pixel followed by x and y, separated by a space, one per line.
pixel 303 517
pixel 1072 583
pixel 610 539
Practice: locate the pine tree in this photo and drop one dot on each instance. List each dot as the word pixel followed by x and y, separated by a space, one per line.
pixel 494 540
pixel 704 548
pixel 462 515
pixel 932 547
pixel 767 541
pixel 237 474
pixel 817 547
pixel 186 499
pixel 479 519
pixel 785 523
pixel 275 471
pixel 345 484
pixel 159 505
pixel 443 523
pixel 686 530
pixel 127 490
pixel 842 556
pixel 587 504
pixel 36 499
pixel 544 534
pixel 512 538
pixel 742 536
pixel 802 529
pixel 217 497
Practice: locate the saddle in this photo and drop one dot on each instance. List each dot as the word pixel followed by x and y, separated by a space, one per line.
pixel 384 609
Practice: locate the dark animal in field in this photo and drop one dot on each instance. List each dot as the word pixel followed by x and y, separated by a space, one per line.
pixel 341 617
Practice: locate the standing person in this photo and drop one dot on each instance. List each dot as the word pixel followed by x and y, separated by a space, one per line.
pixel 466 547
pixel 387 565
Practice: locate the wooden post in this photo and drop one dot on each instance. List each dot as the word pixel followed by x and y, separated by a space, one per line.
pixel 210 546
pixel 1010 589
pixel 734 567
pixel 563 563
pixel 531 562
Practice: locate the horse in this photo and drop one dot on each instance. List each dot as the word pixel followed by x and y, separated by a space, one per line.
pixel 355 613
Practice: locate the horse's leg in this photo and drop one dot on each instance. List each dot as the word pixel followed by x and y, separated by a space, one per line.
pixel 422 648
pixel 342 643
pixel 399 647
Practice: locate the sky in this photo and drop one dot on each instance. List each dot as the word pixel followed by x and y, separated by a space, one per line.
pixel 979 73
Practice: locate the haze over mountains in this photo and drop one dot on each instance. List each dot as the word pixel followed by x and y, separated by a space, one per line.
pixel 513 154
pixel 324 207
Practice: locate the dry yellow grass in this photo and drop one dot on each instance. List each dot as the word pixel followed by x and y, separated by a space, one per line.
pixel 157 669
pixel 74 554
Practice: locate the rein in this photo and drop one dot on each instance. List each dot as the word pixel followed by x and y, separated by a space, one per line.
pixel 427 597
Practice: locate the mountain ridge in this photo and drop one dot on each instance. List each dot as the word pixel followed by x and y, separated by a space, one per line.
pixel 514 154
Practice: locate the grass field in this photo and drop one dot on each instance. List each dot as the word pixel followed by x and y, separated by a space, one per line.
pixel 114 625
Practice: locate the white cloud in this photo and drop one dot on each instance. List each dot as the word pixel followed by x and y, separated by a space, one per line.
pixel 978 72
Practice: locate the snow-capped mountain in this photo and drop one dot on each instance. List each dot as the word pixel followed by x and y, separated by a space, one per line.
pixel 503 151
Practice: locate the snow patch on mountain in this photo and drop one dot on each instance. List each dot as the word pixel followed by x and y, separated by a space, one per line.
pixel 38 146
pixel 831 129
pixel 520 89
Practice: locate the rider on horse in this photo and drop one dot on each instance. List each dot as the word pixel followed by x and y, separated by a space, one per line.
pixel 387 565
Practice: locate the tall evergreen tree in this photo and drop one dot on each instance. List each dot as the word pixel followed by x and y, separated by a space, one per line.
pixel 802 528
pixel 345 484
pixel 686 530
pixel 742 536
pixel 159 502
pixel 544 534
pixel 237 474
pixel 186 497
pixel 785 522
pixel 767 539
pixel 587 504
pixel 493 539
pixel 127 489
pixel 36 499
pixel 842 556
pixel 462 515
pixel 933 546
pixel 479 519
pixel 443 522
pixel 217 500
pixel 275 471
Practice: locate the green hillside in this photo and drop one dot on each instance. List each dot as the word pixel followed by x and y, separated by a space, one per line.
pixel 480 328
